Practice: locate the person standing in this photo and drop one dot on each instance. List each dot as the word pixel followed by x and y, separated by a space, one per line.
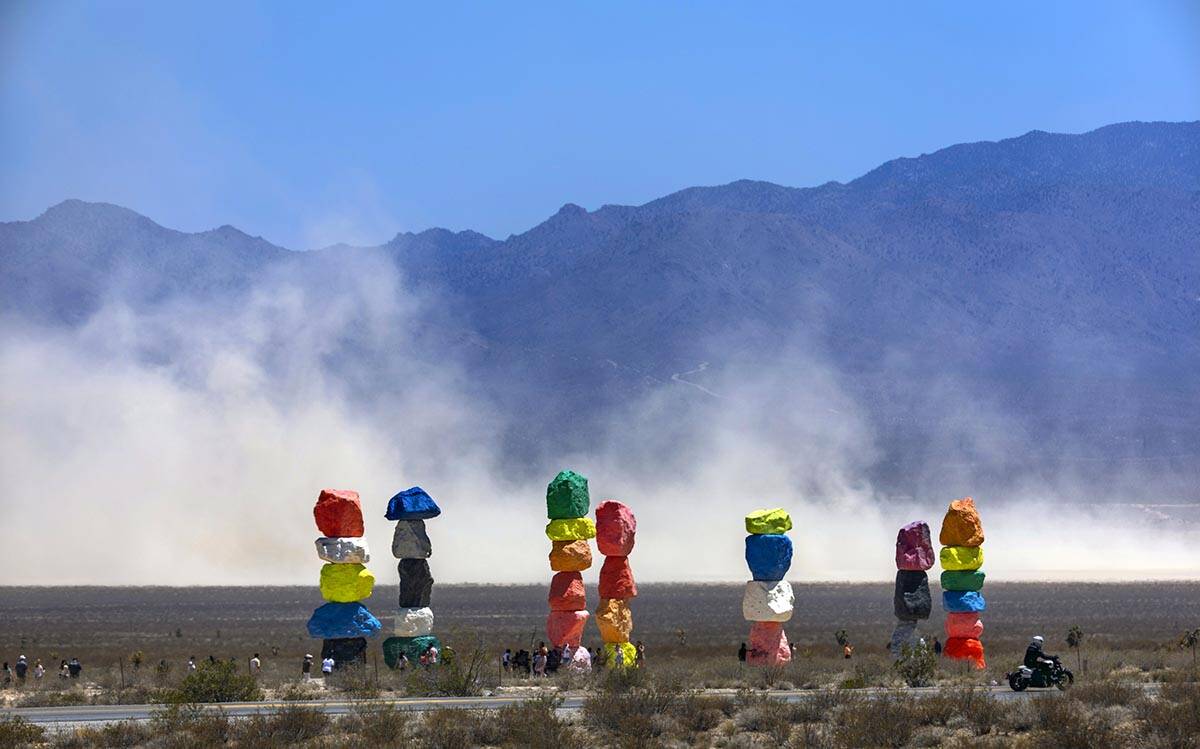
pixel 847 651
pixel 539 662
pixel 327 666
pixel 22 669
pixel 191 666
pixel 306 667
pixel 74 668
pixel 937 646
pixel 641 654
pixel 506 660
pixel 63 671
pixel 742 653
pixel 255 665
pixel 38 670
pixel 433 655
pixel 402 662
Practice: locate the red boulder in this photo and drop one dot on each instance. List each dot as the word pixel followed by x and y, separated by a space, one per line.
pixel 339 513
pixel 615 528
pixel 965 649
pixel 567 593
pixel 616 579
pixel 964 624
pixel 565 628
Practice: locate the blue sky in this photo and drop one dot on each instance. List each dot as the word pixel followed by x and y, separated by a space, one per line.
pixel 313 123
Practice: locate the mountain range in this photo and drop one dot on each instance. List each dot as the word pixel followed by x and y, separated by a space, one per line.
pixel 1056 277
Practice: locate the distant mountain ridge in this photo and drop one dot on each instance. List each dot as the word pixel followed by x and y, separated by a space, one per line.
pixel 1056 271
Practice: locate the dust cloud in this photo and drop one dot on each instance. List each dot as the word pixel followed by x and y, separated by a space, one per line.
pixel 186 445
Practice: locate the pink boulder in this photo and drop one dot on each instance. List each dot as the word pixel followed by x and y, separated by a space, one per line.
pixel 615 528
pixel 339 513
pixel 566 627
pixel 914 550
pixel 567 593
pixel 965 624
pixel 768 645
pixel 616 579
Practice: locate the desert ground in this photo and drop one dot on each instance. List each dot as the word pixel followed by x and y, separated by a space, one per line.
pixel 1130 654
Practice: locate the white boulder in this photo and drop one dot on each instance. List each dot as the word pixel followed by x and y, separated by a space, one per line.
pixel 340 550
pixel 768 601
pixel 414 622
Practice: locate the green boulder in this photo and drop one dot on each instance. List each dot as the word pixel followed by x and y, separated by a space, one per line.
pixel 567 496
pixel 962 580
pixel 412 647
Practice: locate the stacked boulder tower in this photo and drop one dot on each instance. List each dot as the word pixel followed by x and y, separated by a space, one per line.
pixel 912 601
pixel 411 546
pixel 567 506
pixel 768 601
pixel 616 528
pixel 343 623
pixel 962 581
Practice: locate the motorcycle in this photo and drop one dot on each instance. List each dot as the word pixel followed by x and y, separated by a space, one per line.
pixel 1055 676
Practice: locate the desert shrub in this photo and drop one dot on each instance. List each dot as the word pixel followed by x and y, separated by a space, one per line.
pixel 53 698
pixel 886 720
pixel 448 728
pixel 19 732
pixel 535 723
pixel 636 717
pixel 291 725
pixel 765 715
pixel 1068 723
pixel 188 726
pixel 215 682
pixel 698 713
pixel 1173 718
pixel 462 677
pixel 916 665
pixel 382 725
pixel 1105 693
pixel 817 707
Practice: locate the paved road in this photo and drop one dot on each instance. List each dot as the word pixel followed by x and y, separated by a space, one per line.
pixel 92 714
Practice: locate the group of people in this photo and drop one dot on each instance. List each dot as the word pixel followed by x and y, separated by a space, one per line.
pixel 20 671
pixel 543 661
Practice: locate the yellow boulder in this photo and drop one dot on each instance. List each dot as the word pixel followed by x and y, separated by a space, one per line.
pixel 769 521
pixel 346 583
pixel 571 529
pixel 962 557
pixel 620 655
pixel 614 619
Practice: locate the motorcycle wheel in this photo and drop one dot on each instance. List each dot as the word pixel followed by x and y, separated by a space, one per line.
pixel 1017 683
pixel 1066 681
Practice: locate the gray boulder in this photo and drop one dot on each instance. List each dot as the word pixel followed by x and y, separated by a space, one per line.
pixel 410 541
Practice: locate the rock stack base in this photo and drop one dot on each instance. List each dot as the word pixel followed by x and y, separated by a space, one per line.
pixel 768 600
pixel 962 581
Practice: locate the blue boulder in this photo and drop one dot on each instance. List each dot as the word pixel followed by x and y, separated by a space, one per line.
pixel 412 504
pixel 963 601
pixel 342 620
pixel 769 555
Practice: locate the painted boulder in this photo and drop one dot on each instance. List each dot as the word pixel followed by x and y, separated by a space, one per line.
pixel 961 558
pixel 768 645
pixel 572 529
pixel 964 648
pixel 346 583
pixel 905 634
pixel 768 601
pixel 768 555
pixel 963 579
pixel 343 550
pixel 567 496
pixel 565 628
pixel 615 529
pixel 567 592
pixel 411 647
pixel 346 651
pixel 338 513
pixel 414 622
pixel 914 549
pixel 763 522
pixel 341 620
pixel 963 601
pixel 620 655
pixel 961 526
pixel 412 504
pixel 416 583
pixel 964 624
pixel 912 600
pixel 570 556
pixel 616 579
pixel 410 541
pixel 614 619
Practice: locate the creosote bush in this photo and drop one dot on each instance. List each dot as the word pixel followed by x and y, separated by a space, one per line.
pixel 215 682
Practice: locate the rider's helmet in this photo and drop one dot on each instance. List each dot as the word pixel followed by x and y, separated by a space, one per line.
pixel 1037 641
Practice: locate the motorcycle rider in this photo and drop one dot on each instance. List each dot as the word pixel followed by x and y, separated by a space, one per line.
pixel 1039 660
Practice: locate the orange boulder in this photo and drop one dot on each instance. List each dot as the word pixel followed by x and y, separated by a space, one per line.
pixel 965 624
pixel 961 526
pixel 614 619
pixel 965 649
pixel 570 556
